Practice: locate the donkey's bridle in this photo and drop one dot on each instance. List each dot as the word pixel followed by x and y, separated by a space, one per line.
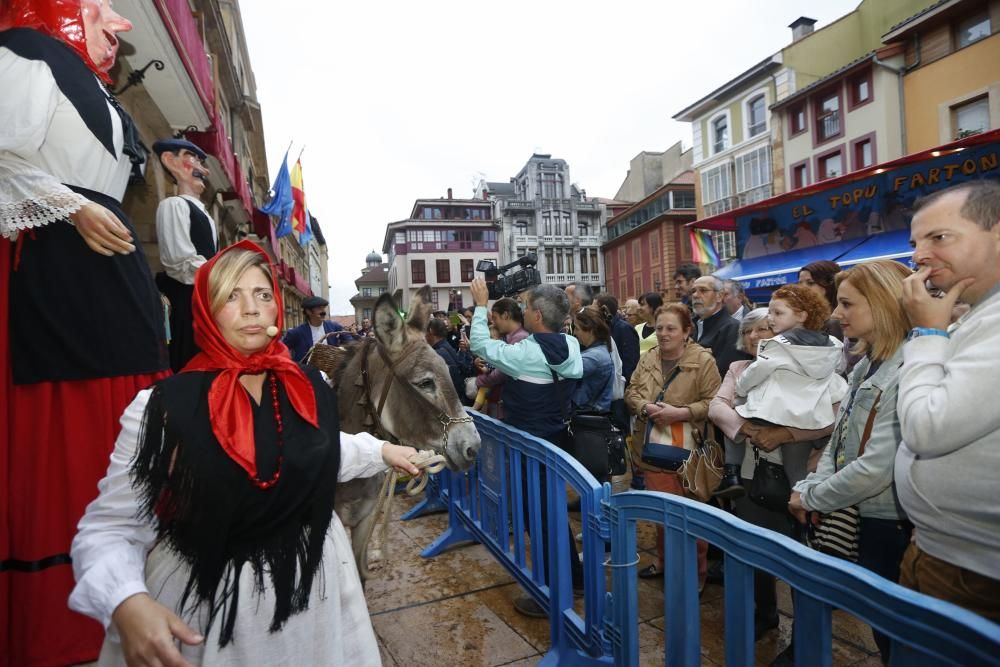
pixel 375 413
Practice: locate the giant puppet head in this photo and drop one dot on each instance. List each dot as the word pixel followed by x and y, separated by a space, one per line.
pixel 89 27
pixel 185 162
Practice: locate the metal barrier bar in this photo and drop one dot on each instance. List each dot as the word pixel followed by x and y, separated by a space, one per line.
pixel 503 486
pixel 925 631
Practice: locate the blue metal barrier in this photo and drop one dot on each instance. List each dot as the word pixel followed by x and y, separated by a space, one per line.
pixel 487 504
pixel 924 631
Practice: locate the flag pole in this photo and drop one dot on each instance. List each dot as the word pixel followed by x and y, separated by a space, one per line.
pixel 300 152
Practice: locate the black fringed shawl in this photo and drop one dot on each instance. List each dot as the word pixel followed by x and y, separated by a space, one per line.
pixel 212 516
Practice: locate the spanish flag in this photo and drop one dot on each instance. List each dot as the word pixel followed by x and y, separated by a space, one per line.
pixel 299 216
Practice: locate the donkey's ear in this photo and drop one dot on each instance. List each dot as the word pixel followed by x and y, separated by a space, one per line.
pixel 388 324
pixel 420 309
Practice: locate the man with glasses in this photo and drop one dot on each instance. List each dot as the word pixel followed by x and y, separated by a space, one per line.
pixel 187 236
pixel 715 329
pixel 314 329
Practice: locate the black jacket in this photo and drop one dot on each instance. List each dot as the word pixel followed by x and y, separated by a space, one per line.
pixel 719 333
pixel 627 340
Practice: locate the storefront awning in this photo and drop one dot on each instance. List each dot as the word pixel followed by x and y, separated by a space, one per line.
pixel 891 245
pixel 770 271
pixel 946 165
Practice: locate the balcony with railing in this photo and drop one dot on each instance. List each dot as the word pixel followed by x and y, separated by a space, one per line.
pixel 523 240
pixel 519 205
pixel 828 125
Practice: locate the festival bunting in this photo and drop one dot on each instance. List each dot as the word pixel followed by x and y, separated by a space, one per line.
pixel 281 203
pixel 702 248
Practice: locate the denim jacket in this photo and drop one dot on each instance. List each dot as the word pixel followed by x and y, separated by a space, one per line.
pixel 841 478
pixel 594 390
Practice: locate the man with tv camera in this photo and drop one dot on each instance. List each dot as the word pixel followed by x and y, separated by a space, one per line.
pixel 532 400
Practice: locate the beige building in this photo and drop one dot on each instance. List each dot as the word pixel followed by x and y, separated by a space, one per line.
pixel 648 171
pixel 848 120
pixel 440 245
pixel 373 283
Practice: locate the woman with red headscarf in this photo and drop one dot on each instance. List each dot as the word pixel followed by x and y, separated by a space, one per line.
pixel 82 331
pixel 215 523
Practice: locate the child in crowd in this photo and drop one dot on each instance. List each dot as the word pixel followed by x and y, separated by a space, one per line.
pixel 795 380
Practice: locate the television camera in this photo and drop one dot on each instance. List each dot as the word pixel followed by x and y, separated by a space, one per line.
pixel 501 284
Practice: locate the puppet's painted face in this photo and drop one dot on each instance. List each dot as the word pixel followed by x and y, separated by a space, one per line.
pixel 101 26
pixel 188 169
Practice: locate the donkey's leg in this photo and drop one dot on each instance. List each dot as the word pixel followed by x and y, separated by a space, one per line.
pixel 356 502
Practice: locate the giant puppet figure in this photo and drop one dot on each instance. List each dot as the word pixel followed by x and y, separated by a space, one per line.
pixel 81 325
pixel 187 237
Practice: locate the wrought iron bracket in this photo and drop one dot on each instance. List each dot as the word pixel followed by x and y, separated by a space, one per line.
pixel 136 76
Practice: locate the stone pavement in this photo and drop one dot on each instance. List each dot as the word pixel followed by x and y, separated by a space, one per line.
pixel 456 609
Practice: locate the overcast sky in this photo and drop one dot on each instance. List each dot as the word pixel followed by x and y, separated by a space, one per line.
pixel 394 101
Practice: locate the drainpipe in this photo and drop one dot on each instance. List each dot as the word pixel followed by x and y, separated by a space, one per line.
pixel 900 72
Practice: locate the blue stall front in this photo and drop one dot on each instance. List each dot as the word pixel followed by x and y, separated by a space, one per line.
pixel 858 217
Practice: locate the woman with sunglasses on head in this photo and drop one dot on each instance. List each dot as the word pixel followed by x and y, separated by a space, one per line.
pixel 214 530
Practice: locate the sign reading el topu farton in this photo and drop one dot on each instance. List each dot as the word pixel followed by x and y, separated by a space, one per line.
pixel 879 203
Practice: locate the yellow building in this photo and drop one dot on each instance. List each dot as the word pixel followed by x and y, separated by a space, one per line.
pixel 952 83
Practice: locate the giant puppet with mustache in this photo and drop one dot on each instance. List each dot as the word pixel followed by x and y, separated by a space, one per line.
pixel 188 237
pixel 81 325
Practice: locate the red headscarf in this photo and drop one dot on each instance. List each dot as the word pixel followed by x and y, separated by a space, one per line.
pixel 228 404
pixel 61 19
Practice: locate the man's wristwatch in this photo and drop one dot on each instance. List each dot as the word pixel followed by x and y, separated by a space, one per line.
pixel 643 413
pixel 916 332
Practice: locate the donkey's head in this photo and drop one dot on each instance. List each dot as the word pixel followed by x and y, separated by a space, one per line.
pixel 422 404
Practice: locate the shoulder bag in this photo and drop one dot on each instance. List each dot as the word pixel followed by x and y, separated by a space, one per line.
pixel 702 471
pixel 594 441
pixel 838 532
pixel 667 447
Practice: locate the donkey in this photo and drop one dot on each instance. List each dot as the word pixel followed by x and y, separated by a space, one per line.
pixel 421 407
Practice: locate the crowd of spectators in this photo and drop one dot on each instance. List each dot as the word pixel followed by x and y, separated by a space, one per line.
pixel 864 385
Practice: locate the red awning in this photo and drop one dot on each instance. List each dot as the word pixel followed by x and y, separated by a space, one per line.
pixel 727 221
pixel 183 29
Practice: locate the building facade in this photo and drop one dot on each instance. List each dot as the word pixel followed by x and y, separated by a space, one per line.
pixel 952 71
pixel 541 211
pixel 373 283
pixel 648 241
pixel 739 138
pixel 440 245
pixel 846 121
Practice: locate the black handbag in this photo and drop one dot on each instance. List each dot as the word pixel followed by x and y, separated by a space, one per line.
pixel 593 439
pixel 597 444
pixel 769 488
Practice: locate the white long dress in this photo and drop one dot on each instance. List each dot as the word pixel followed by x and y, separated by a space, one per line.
pixel 114 558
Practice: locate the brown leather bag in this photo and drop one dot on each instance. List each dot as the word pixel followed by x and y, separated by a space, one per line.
pixel 702 471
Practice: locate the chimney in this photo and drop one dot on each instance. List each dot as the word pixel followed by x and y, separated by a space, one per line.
pixel 801 27
pixel 449 193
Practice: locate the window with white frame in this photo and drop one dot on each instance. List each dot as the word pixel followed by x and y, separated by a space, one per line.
pixel 717 183
pixel 720 134
pixel 753 169
pixel 725 244
pixel 757 116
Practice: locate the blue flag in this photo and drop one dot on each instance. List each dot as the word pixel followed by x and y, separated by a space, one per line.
pixel 307 234
pixel 281 204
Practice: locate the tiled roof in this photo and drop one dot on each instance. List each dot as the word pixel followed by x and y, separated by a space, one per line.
pixel 930 8
pixel 799 94
pixel 379 274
